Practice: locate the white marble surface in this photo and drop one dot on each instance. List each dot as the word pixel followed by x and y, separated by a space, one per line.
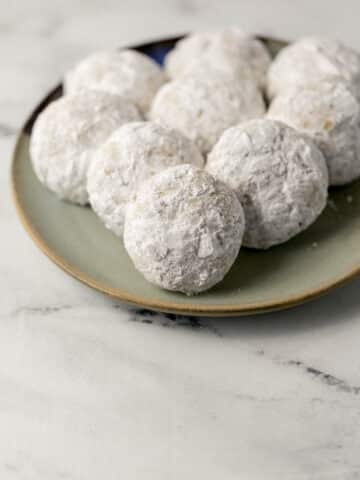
pixel 90 390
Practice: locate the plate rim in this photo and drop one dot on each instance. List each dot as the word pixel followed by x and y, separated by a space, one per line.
pixel 135 300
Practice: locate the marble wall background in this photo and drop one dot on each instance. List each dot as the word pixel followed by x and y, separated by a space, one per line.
pixel 90 389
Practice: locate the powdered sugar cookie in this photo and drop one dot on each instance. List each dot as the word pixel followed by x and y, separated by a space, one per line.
pixel 131 155
pixel 311 60
pixel 127 73
pixel 202 107
pixel 330 114
pixel 66 135
pixel 184 229
pixel 279 175
pixel 230 50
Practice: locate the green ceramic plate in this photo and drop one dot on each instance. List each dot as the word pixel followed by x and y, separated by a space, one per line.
pixel 323 257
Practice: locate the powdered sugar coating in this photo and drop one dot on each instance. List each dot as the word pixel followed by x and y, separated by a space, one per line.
pixel 311 60
pixel 127 73
pixel 66 135
pixel 330 114
pixel 279 175
pixel 184 230
pixel 202 107
pixel 132 154
pixel 229 49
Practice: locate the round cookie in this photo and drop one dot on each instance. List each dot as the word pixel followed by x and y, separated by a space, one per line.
pixel 127 73
pixel 279 175
pixel 230 50
pixel 202 106
pixel 132 154
pixel 330 114
pixel 66 135
pixel 184 229
pixel 312 60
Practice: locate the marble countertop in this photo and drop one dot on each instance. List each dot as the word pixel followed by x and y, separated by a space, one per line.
pixel 92 390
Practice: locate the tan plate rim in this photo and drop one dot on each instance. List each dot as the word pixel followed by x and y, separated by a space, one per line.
pixel 188 309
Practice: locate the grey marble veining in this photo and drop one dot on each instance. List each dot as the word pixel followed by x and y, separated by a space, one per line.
pixel 91 389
